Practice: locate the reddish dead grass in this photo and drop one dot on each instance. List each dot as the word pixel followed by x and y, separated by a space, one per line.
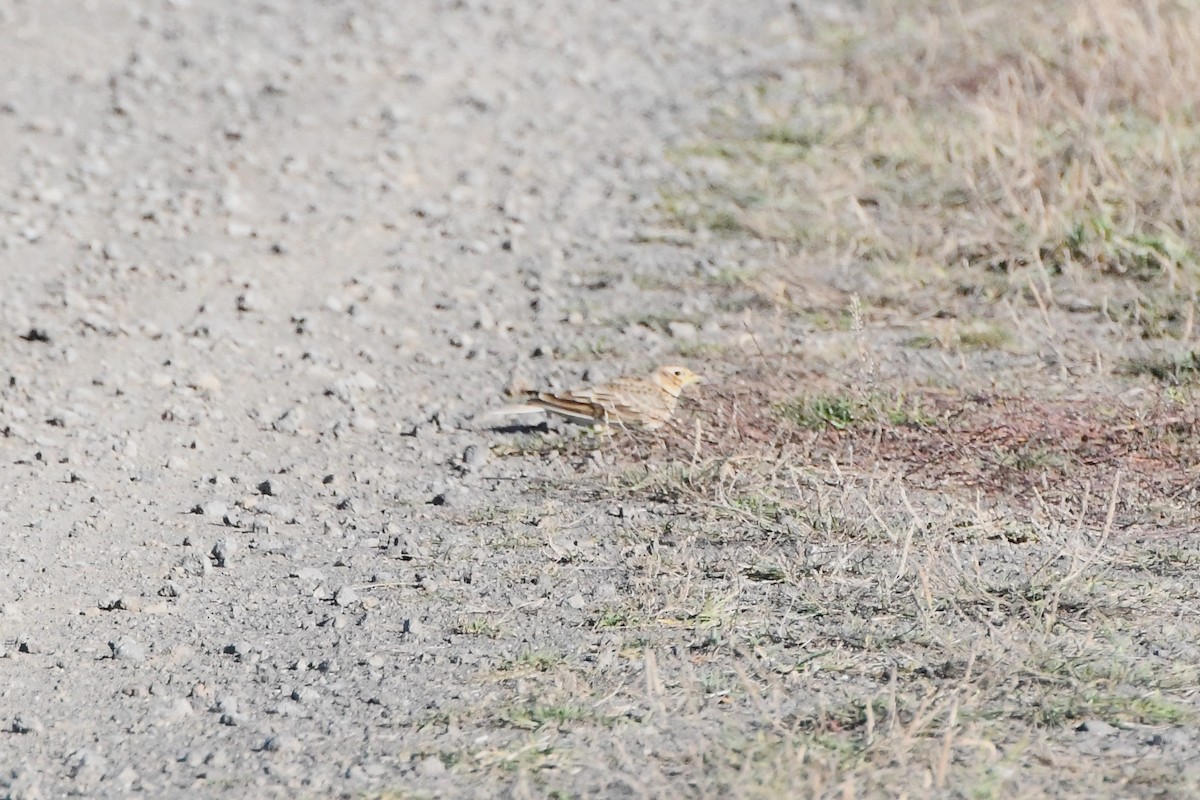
pixel 1057 458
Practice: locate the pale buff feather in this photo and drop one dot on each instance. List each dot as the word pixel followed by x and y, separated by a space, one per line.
pixel 645 402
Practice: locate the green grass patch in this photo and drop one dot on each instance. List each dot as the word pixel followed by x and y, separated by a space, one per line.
pixel 840 411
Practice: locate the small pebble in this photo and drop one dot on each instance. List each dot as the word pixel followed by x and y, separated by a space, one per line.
pixel 127 649
pixel 474 457
pixel 195 564
pixel 281 744
pixel 309 575
pixel 27 723
pixel 244 651
pixel 214 509
pixel 228 708
pixel 431 767
pixel 250 300
pixel 346 596
pixel 306 695
pixel 206 382
pixel 281 511
pixel 87 768
pixel 132 604
pixel 1096 727
pixel 224 551
pixel 290 421
pixel 29 646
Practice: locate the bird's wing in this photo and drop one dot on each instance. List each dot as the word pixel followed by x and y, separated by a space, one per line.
pixel 576 406
pixel 629 404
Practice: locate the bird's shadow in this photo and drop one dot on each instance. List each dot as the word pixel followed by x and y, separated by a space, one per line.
pixel 514 428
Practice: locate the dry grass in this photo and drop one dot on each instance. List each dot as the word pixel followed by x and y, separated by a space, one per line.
pixel 835 584
pixel 1041 142
pixel 959 577
pixel 832 600
pixel 893 638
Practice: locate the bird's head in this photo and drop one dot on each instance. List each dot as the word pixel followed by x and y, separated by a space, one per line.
pixel 674 379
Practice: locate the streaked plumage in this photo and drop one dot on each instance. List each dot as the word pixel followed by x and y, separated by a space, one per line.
pixel 629 402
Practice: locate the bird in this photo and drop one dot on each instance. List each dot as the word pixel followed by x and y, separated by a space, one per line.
pixel 640 402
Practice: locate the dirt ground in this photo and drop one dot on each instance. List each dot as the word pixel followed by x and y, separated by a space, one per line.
pixel 264 264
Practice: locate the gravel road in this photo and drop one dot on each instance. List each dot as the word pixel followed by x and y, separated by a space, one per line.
pixel 262 264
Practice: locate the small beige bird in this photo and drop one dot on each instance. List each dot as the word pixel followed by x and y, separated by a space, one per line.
pixel 645 402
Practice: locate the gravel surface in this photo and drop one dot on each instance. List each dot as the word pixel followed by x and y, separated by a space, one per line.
pixel 262 265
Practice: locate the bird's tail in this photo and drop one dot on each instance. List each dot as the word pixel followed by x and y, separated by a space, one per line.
pixel 492 418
